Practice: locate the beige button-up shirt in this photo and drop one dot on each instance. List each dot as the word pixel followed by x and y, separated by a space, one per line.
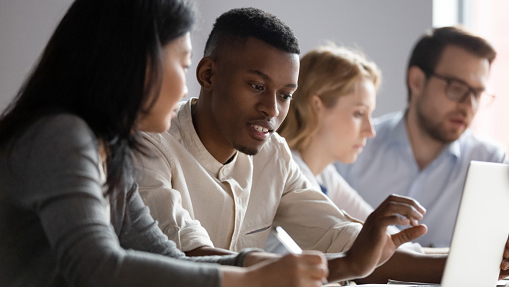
pixel 199 201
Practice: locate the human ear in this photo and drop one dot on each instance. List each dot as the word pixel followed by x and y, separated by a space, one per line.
pixel 416 81
pixel 317 103
pixel 205 73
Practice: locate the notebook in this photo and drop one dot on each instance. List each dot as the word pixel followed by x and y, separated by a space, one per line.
pixel 481 229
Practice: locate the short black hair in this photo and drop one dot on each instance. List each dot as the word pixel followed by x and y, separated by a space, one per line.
pixel 241 23
pixel 429 48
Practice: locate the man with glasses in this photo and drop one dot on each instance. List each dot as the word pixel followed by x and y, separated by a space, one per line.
pixel 424 152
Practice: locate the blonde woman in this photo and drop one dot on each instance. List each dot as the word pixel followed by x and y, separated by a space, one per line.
pixel 330 120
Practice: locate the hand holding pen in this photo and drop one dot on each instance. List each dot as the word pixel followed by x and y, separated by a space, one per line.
pixel 289 243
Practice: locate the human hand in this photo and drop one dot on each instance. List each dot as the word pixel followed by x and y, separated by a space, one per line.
pixel 504 266
pixel 308 269
pixel 374 245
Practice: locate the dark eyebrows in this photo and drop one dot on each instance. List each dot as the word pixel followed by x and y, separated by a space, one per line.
pixel 267 78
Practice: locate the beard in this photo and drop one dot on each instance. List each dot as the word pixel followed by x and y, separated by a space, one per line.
pixel 435 128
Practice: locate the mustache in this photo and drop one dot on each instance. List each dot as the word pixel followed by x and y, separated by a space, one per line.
pixel 459 113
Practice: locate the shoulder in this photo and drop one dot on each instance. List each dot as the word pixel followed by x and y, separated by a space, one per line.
pixel 481 148
pixel 56 150
pixel 274 155
pixel 55 124
pixel 160 147
pixel 388 129
pixel 58 133
pixel 276 147
pixel 387 122
pixel 183 121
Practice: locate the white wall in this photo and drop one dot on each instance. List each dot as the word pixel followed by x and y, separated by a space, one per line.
pixel 25 28
pixel 384 29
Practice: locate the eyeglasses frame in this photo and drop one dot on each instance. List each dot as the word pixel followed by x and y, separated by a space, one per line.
pixel 477 93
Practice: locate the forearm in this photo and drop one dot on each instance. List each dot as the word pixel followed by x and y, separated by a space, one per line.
pixel 207 251
pixel 341 269
pixel 337 268
pixel 232 277
pixel 409 266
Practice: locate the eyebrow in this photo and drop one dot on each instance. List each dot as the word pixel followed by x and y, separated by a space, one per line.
pixel 267 78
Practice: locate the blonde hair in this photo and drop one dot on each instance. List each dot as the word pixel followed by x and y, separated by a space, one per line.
pixel 329 72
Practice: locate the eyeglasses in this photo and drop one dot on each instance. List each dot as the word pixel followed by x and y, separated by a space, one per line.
pixel 458 91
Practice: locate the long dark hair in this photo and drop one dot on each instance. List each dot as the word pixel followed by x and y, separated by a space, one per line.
pixel 103 64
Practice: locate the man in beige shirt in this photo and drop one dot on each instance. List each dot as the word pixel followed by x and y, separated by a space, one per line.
pixel 221 172
pixel 238 202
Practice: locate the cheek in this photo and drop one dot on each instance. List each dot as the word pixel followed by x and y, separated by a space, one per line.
pixel 434 101
pixel 332 131
pixel 174 88
pixel 283 112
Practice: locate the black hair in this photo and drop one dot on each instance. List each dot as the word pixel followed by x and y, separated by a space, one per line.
pixel 102 64
pixel 241 23
pixel 429 48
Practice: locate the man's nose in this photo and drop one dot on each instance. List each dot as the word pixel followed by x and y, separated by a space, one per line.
pixel 269 104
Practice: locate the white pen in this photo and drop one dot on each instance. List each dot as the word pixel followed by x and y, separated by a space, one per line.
pixel 289 243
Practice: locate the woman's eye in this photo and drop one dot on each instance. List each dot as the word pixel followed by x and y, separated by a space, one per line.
pixel 358 114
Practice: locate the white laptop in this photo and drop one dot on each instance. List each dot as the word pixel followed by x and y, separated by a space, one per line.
pixel 481 230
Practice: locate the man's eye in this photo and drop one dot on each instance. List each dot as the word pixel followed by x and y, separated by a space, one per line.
pixel 257 87
pixel 358 114
pixel 287 97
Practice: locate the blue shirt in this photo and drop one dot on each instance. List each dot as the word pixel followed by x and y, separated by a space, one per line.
pixel 387 166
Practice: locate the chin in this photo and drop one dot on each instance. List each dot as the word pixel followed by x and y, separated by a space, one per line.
pixel 348 160
pixel 160 129
pixel 247 150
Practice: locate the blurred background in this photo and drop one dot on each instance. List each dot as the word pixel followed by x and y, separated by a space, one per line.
pixel 384 30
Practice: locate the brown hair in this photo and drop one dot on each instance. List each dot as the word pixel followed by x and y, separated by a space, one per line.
pixel 429 48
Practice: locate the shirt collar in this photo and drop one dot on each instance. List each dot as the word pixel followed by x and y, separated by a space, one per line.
pixel 453 148
pixel 194 144
pixel 399 135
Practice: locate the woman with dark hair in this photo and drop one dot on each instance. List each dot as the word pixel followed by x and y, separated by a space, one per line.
pixel 70 210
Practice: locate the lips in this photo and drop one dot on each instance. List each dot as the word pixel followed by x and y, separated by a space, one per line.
pixel 260 130
pixel 359 147
pixel 458 122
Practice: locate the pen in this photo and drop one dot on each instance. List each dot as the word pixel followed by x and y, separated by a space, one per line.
pixel 289 243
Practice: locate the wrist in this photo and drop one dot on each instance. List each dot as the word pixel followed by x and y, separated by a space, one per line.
pixel 342 268
pixel 248 257
pixel 254 258
pixel 235 276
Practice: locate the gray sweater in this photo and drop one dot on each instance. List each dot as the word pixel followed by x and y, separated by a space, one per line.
pixel 55 228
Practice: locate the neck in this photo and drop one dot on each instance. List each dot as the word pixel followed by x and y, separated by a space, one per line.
pixel 209 134
pixel 424 147
pixel 315 158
